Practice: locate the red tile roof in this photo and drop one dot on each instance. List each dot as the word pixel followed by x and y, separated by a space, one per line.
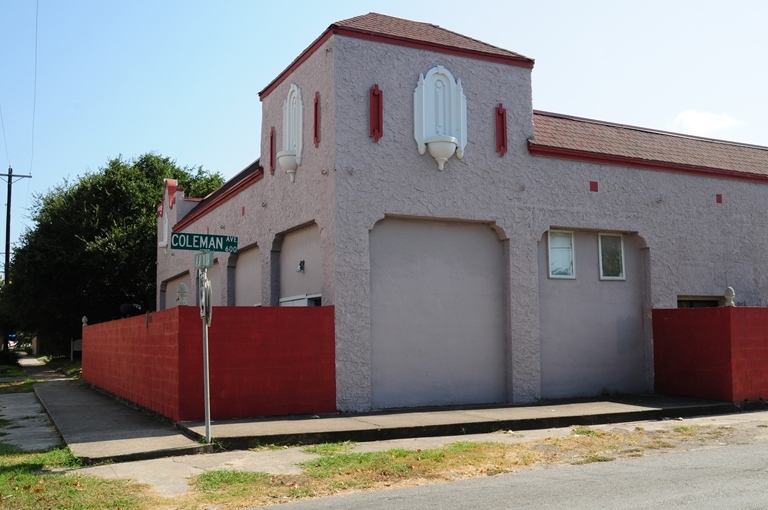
pixel 403 32
pixel 576 138
pixel 406 30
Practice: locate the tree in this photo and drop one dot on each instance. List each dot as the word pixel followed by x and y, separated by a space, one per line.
pixel 93 247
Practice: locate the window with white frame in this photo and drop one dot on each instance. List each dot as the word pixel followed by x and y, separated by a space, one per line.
pixel 561 256
pixel 611 257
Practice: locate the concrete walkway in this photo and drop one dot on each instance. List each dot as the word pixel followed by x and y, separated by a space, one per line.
pixel 99 428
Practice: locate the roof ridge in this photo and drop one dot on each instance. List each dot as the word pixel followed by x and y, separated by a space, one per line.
pixel 354 24
pixel 645 129
pixel 341 24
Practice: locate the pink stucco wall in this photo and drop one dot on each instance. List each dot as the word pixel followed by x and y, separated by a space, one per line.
pixel 693 244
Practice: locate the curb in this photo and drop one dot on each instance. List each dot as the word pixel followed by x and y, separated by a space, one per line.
pixel 478 427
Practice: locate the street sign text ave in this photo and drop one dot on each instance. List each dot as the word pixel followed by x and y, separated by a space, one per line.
pixel 189 241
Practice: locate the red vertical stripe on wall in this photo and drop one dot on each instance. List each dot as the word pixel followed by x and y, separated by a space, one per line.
pixel 593 186
pixel 272 151
pixel 719 198
pixel 501 130
pixel 377 113
pixel 317 119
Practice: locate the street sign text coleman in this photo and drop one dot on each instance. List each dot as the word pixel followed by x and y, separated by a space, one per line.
pixel 189 241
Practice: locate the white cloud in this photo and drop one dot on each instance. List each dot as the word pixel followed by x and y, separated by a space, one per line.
pixel 700 123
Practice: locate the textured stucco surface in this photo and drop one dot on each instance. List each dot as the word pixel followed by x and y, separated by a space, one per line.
pixel 264 212
pixel 691 245
pixel 391 178
pixel 592 330
pixel 247 270
pixel 302 244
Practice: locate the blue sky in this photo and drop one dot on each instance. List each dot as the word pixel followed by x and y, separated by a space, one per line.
pixel 181 77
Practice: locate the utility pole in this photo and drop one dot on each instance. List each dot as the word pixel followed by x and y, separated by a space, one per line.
pixel 9 176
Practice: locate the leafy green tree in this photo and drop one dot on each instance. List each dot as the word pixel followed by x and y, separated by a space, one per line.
pixel 93 247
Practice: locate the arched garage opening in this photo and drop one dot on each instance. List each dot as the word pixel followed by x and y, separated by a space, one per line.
pixel 437 313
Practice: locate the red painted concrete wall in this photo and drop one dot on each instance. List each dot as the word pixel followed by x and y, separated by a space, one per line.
pixel 264 361
pixel 713 353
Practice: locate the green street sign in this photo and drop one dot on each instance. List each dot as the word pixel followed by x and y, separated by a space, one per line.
pixel 188 241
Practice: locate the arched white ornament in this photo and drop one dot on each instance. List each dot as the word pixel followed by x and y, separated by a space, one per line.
pixel 293 124
pixel 440 115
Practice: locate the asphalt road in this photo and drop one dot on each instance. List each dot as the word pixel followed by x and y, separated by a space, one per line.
pixel 721 477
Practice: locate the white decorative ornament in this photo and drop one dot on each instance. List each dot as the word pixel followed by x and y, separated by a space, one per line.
pixel 730 294
pixel 440 115
pixel 293 122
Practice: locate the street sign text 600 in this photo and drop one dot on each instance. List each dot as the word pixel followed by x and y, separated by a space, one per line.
pixel 188 241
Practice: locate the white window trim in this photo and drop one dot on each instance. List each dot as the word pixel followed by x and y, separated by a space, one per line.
pixel 573 255
pixel 623 276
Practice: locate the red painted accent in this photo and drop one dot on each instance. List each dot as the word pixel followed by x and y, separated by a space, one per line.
pixel 272 151
pixel 609 159
pixel 160 209
pixel 172 186
pixel 593 186
pixel 719 198
pixel 212 204
pixel 263 361
pixel 399 41
pixel 376 117
pixel 316 130
pixel 501 130
pixel 713 353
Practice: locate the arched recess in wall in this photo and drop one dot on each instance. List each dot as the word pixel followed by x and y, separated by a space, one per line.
pixel 298 270
pixel 593 291
pixel 169 291
pixel 438 319
pixel 244 275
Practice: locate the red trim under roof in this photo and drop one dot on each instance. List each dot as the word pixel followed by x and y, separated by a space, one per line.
pixel 207 205
pixel 389 39
pixel 610 159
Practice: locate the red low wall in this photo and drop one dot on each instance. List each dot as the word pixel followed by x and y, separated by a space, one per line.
pixel 714 353
pixel 263 361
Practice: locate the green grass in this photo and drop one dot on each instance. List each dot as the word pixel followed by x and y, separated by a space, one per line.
pixel 27 481
pixel 330 448
pixel 63 365
pixel 24 386
pixel 586 431
pixel 11 371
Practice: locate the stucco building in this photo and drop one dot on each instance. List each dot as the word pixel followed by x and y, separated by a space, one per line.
pixel 526 268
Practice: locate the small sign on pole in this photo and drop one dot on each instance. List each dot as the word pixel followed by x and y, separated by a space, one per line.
pixel 204 260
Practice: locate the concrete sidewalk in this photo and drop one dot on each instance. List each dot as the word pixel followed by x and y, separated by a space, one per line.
pixel 412 423
pixel 99 428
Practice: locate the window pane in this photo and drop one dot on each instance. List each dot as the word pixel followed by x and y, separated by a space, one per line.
pixel 560 254
pixel 611 254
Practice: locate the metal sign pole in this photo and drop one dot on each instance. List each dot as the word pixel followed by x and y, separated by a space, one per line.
pixel 205 314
